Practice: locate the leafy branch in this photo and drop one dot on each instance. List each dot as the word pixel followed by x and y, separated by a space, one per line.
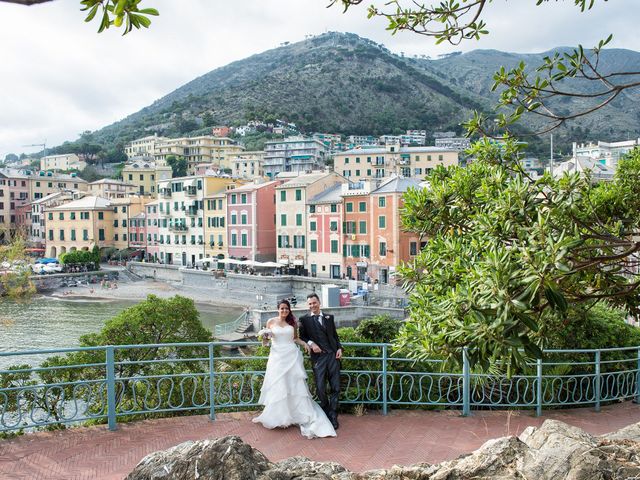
pixel 116 13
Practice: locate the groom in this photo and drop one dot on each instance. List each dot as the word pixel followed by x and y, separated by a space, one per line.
pixel 319 331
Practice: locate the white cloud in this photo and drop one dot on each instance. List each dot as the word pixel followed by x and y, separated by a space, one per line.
pixel 59 77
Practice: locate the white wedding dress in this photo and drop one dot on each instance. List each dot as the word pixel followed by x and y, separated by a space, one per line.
pixel 285 394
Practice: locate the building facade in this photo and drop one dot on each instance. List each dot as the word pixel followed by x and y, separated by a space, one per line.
pixel 144 176
pixel 67 161
pixel 294 154
pixel 392 160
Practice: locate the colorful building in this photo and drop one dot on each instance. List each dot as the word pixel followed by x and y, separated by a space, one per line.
pixel 292 215
pixel 324 249
pixel 145 175
pixel 251 213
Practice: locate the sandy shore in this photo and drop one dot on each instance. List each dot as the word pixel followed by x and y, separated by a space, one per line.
pixel 140 290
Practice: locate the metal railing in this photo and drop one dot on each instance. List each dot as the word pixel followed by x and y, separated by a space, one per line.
pixel 102 384
pixel 226 328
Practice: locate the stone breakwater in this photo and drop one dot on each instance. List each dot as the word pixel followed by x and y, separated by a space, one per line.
pixel 554 451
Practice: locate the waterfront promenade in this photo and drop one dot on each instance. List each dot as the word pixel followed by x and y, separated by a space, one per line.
pixel 366 442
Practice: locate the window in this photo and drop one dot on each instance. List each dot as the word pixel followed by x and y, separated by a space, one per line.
pixel 50 215
pixel 363 227
pixel 357 173
pixel 333 226
pixel 233 198
pixel 298 195
pixel 234 218
pixel 298 241
pixel 72 215
pixel 357 159
pixel 61 234
pixel 50 234
pixel 101 234
pixel 383 249
pixel 349 207
pixel 440 157
pixel 115 237
pixel 283 219
pixel 313 245
pixel 413 248
pixel 382 201
pixel 334 208
pixel 85 234
pixel 243 198
pixel 283 195
pixel 37 184
pixel 382 221
pixel 312 226
pixel 131 176
pixel 346 160
pixel 243 239
pixel 362 207
pixel 417 171
pixel 101 216
pixel 61 216
pixel 243 218
pixel 298 219
pixel 312 209
pixel 115 222
pixel 334 246
pixel 84 215
pixel 234 239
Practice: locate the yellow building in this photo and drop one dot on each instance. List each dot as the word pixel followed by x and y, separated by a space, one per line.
pixel 215 226
pixel 91 220
pixel 79 225
pixel 110 188
pixel 44 183
pixel 146 175
pixel 205 149
pixel 143 147
pixel 392 160
pixel 67 161
pixel 248 165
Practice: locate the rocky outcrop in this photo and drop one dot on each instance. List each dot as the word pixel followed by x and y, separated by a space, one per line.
pixel 555 451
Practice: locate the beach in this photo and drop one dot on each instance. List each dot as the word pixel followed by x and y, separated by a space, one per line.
pixel 139 290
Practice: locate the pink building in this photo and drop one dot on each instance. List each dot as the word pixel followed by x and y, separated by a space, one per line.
pixel 324 249
pixel 251 229
pixel 14 193
pixel 152 224
pixel 138 232
pixel 221 131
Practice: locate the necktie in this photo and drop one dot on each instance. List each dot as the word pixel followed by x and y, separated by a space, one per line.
pixel 319 319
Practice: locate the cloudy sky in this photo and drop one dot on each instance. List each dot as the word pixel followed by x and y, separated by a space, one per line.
pixel 58 77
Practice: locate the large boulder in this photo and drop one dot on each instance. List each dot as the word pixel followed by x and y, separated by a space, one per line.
pixel 555 451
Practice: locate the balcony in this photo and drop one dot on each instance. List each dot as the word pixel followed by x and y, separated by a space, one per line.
pixel 191 191
pixel 164 192
pixel 192 211
pixel 178 227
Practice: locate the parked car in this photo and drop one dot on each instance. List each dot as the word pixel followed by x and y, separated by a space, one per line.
pixel 52 268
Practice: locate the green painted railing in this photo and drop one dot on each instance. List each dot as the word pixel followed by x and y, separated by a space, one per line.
pixel 103 384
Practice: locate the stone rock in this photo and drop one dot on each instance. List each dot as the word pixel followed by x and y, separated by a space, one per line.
pixel 555 451
pixel 227 458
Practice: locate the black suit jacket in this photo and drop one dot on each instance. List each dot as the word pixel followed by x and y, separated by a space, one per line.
pixel 325 336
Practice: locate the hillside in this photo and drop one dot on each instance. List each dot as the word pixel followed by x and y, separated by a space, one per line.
pixel 342 83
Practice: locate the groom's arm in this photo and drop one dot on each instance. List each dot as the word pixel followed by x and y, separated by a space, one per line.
pixel 335 332
pixel 302 331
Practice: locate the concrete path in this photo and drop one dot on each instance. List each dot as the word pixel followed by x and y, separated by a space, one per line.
pixel 366 442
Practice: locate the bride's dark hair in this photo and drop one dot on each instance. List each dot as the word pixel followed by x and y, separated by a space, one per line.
pixel 291 319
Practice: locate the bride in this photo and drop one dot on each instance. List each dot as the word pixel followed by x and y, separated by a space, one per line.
pixel 285 394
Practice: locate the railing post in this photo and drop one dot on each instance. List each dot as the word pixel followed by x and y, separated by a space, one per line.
pixel 384 379
pixel 638 378
pixel 212 403
pixel 111 388
pixel 539 387
pixel 597 381
pixel 466 384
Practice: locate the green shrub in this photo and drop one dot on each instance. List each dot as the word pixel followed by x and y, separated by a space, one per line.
pixel 381 328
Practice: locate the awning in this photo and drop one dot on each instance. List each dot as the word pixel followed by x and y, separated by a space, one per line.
pixel 269 264
pixel 229 261
pixel 298 262
pixel 283 261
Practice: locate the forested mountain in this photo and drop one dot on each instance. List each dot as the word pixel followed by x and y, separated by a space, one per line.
pixel 342 83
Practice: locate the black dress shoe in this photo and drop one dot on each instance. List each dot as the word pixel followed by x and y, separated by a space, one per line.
pixel 335 423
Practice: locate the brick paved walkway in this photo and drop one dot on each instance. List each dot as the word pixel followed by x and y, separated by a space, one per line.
pixel 367 442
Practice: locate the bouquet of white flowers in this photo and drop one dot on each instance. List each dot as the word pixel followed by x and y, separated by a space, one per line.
pixel 265 335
